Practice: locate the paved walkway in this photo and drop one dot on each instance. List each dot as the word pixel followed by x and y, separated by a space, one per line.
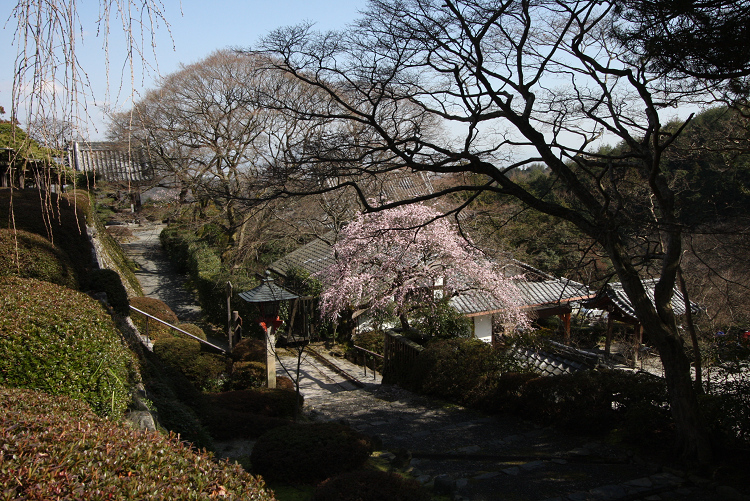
pixel 156 273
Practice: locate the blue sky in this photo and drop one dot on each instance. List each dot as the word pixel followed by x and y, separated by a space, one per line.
pixel 197 29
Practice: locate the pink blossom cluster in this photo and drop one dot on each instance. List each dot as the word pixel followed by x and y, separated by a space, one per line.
pixel 387 258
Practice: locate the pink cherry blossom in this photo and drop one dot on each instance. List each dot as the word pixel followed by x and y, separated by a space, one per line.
pixel 389 258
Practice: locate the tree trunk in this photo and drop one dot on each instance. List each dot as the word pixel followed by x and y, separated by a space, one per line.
pixel 693 442
pixel 404 322
pixel 697 362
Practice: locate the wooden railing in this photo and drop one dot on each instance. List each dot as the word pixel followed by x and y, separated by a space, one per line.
pixel 400 354
pixel 222 350
pixel 370 355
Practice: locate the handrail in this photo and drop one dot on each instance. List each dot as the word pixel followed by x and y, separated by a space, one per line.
pixel 364 359
pixel 178 329
pixel 368 351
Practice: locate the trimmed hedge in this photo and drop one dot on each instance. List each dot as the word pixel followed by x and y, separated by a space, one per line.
pixel 56 448
pixel 246 413
pixel 60 219
pixel 250 350
pixel 175 399
pixel 309 453
pixel 109 281
pixel 194 255
pixel 207 371
pixel 62 342
pixel 460 370
pixel 471 373
pixel 192 329
pixel 247 375
pixel 157 308
pixel 35 257
pixel 370 485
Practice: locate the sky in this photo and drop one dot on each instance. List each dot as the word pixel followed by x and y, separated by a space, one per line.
pixel 197 28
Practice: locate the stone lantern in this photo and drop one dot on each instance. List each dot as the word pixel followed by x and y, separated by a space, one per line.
pixel 268 296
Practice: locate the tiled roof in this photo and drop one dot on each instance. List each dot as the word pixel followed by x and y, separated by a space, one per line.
pixel 111 161
pixel 267 292
pixel 535 295
pixel 615 294
pixel 312 257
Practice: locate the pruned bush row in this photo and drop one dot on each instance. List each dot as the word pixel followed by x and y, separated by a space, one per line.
pixel 309 453
pixel 207 371
pixel 186 249
pixel 370 485
pixel 28 255
pixel 247 413
pixel 32 211
pixel 56 448
pixel 157 308
pixel 473 374
pixel 62 342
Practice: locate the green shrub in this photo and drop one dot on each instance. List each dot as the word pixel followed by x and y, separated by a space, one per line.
pixel 370 485
pixel 246 413
pixel 206 371
pixel 55 448
pixel 35 257
pixel 439 319
pixel 250 350
pixel 174 398
pixel 60 219
pixel 157 308
pixel 62 342
pixel 460 370
pixel 192 329
pixel 247 375
pixel 109 281
pixel 309 453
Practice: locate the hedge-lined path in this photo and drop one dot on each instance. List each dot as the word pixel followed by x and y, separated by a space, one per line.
pixel 477 457
pixel 156 273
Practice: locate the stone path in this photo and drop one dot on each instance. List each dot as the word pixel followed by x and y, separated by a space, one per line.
pixel 156 273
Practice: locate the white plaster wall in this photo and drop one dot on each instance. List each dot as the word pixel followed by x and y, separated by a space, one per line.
pixel 483 328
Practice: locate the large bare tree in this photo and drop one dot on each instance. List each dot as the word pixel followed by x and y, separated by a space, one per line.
pixel 511 83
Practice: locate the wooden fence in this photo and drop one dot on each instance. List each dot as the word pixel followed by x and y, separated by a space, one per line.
pixel 400 354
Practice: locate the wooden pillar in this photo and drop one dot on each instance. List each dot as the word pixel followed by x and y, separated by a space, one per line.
pixel 637 340
pixel 230 331
pixel 270 357
pixel 608 342
pixel 565 317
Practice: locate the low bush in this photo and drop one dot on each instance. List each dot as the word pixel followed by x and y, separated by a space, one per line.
pixel 108 281
pixel 192 329
pixel 62 342
pixel 61 219
pixel 247 375
pixel 309 453
pixel 246 413
pixel 370 485
pixel 250 350
pixel 207 371
pixel 157 308
pixel 174 398
pixel 56 448
pixel 460 370
pixel 28 255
